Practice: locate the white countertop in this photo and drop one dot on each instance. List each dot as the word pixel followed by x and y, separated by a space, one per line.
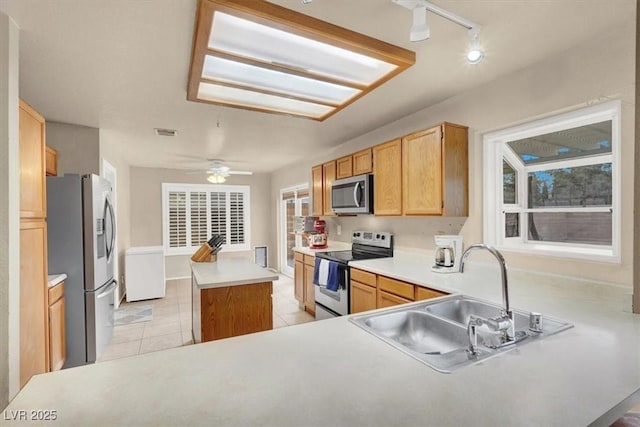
pixel 54 279
pixel 331 246
pixel 229 272
pixel 332 373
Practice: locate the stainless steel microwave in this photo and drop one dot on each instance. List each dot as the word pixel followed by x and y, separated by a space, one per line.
pixel 352 195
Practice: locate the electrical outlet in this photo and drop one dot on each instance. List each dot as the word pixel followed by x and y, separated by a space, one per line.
pixel 122 280
pixel 339 230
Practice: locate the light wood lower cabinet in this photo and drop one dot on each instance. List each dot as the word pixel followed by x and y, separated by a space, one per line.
pixel 304 288
pixel 298 280
pixel 426 293
pixel 309 290
pixel 34 335
pixel 57 336
pixel 231 311
pixel 385 299
pixel 363 297
pixel 370 291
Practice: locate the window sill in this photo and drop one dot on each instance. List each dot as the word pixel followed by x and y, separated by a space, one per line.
pixel 561 251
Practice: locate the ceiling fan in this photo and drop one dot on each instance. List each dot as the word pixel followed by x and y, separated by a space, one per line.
pixel 218 172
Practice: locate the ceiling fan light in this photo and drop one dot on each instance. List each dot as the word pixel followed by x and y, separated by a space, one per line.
pixel 216 178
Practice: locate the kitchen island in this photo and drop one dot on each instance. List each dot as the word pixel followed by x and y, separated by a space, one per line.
pixel 331 372
pixel 230 297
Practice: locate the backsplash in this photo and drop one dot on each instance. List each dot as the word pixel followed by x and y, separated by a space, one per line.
pixel 407 232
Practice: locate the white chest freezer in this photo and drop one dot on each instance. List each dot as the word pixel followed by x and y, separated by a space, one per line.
pixel 144 273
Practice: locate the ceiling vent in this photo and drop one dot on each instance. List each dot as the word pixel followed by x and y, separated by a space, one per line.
pixel 165 132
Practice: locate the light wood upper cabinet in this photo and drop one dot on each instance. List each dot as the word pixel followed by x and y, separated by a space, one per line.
pixel 33 201
pixel 328 176
pixel 316 179
pixel 344 166
pixel 455 176
pixel 387 181
pixel 51 161
pixel 422 177
pixel 362 162
pixel 33 300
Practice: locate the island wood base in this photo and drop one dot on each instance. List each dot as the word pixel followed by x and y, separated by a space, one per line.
pixel 231 310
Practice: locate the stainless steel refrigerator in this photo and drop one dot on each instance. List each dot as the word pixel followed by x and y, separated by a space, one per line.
pixel 81 241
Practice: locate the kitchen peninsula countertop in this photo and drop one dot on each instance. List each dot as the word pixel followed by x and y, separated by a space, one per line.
pixel 331 372
pixel 331 246
pixel 229 272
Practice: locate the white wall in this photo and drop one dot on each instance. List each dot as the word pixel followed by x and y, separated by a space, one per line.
pixel 9 213
pixel 78 147
pixel 146 212
pixel 602 69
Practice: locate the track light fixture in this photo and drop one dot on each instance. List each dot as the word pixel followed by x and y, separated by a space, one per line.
pixel 420 30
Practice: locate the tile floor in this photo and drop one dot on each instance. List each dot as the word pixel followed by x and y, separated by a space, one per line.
pixel 171 324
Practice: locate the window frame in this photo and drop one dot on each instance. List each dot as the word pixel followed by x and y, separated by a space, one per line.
pixel 495 152
pixel 208 188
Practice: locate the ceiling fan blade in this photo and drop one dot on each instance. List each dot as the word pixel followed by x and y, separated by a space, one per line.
pixel 240 173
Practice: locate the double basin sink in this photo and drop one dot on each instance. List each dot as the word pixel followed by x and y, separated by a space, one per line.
pixel 435 331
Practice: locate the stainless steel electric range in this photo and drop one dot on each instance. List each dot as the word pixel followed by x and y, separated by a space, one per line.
pixel 364 245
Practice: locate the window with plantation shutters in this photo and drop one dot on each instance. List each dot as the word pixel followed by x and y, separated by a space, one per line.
pixel 193 213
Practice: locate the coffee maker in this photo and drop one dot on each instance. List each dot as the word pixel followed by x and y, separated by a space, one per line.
pixel 448 253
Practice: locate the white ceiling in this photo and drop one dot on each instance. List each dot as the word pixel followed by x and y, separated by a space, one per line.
pixel 121 65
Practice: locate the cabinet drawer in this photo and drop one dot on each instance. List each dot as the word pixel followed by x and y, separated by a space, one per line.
pixel 310 260
pixel 363 277
pixel 298 256
pixel 386 299
pixel 396 287
pixel 56 292
pixel 426 293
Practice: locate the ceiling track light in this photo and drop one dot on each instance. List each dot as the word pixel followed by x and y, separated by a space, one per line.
pixel 420 30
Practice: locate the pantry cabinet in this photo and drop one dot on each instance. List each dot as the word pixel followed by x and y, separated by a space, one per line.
pixel 387 178
pixel 34 309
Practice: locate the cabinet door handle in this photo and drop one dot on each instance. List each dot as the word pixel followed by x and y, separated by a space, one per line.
pixel 355 194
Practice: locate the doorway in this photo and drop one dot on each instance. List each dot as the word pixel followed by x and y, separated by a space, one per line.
pixel 294 201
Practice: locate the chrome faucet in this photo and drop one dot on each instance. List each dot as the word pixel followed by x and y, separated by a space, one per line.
pixel 505 322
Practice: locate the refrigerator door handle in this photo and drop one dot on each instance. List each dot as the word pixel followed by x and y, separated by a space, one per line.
pixel 110 288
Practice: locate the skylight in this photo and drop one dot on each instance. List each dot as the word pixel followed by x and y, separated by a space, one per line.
pixel 260 56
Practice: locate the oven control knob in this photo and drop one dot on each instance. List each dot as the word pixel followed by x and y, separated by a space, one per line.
pixel 355 234
pixel 383 236
pixel 377 236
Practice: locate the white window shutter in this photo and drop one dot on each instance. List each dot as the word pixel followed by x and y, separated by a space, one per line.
pixel 198 215
pixel 236 216
pixel 177 219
